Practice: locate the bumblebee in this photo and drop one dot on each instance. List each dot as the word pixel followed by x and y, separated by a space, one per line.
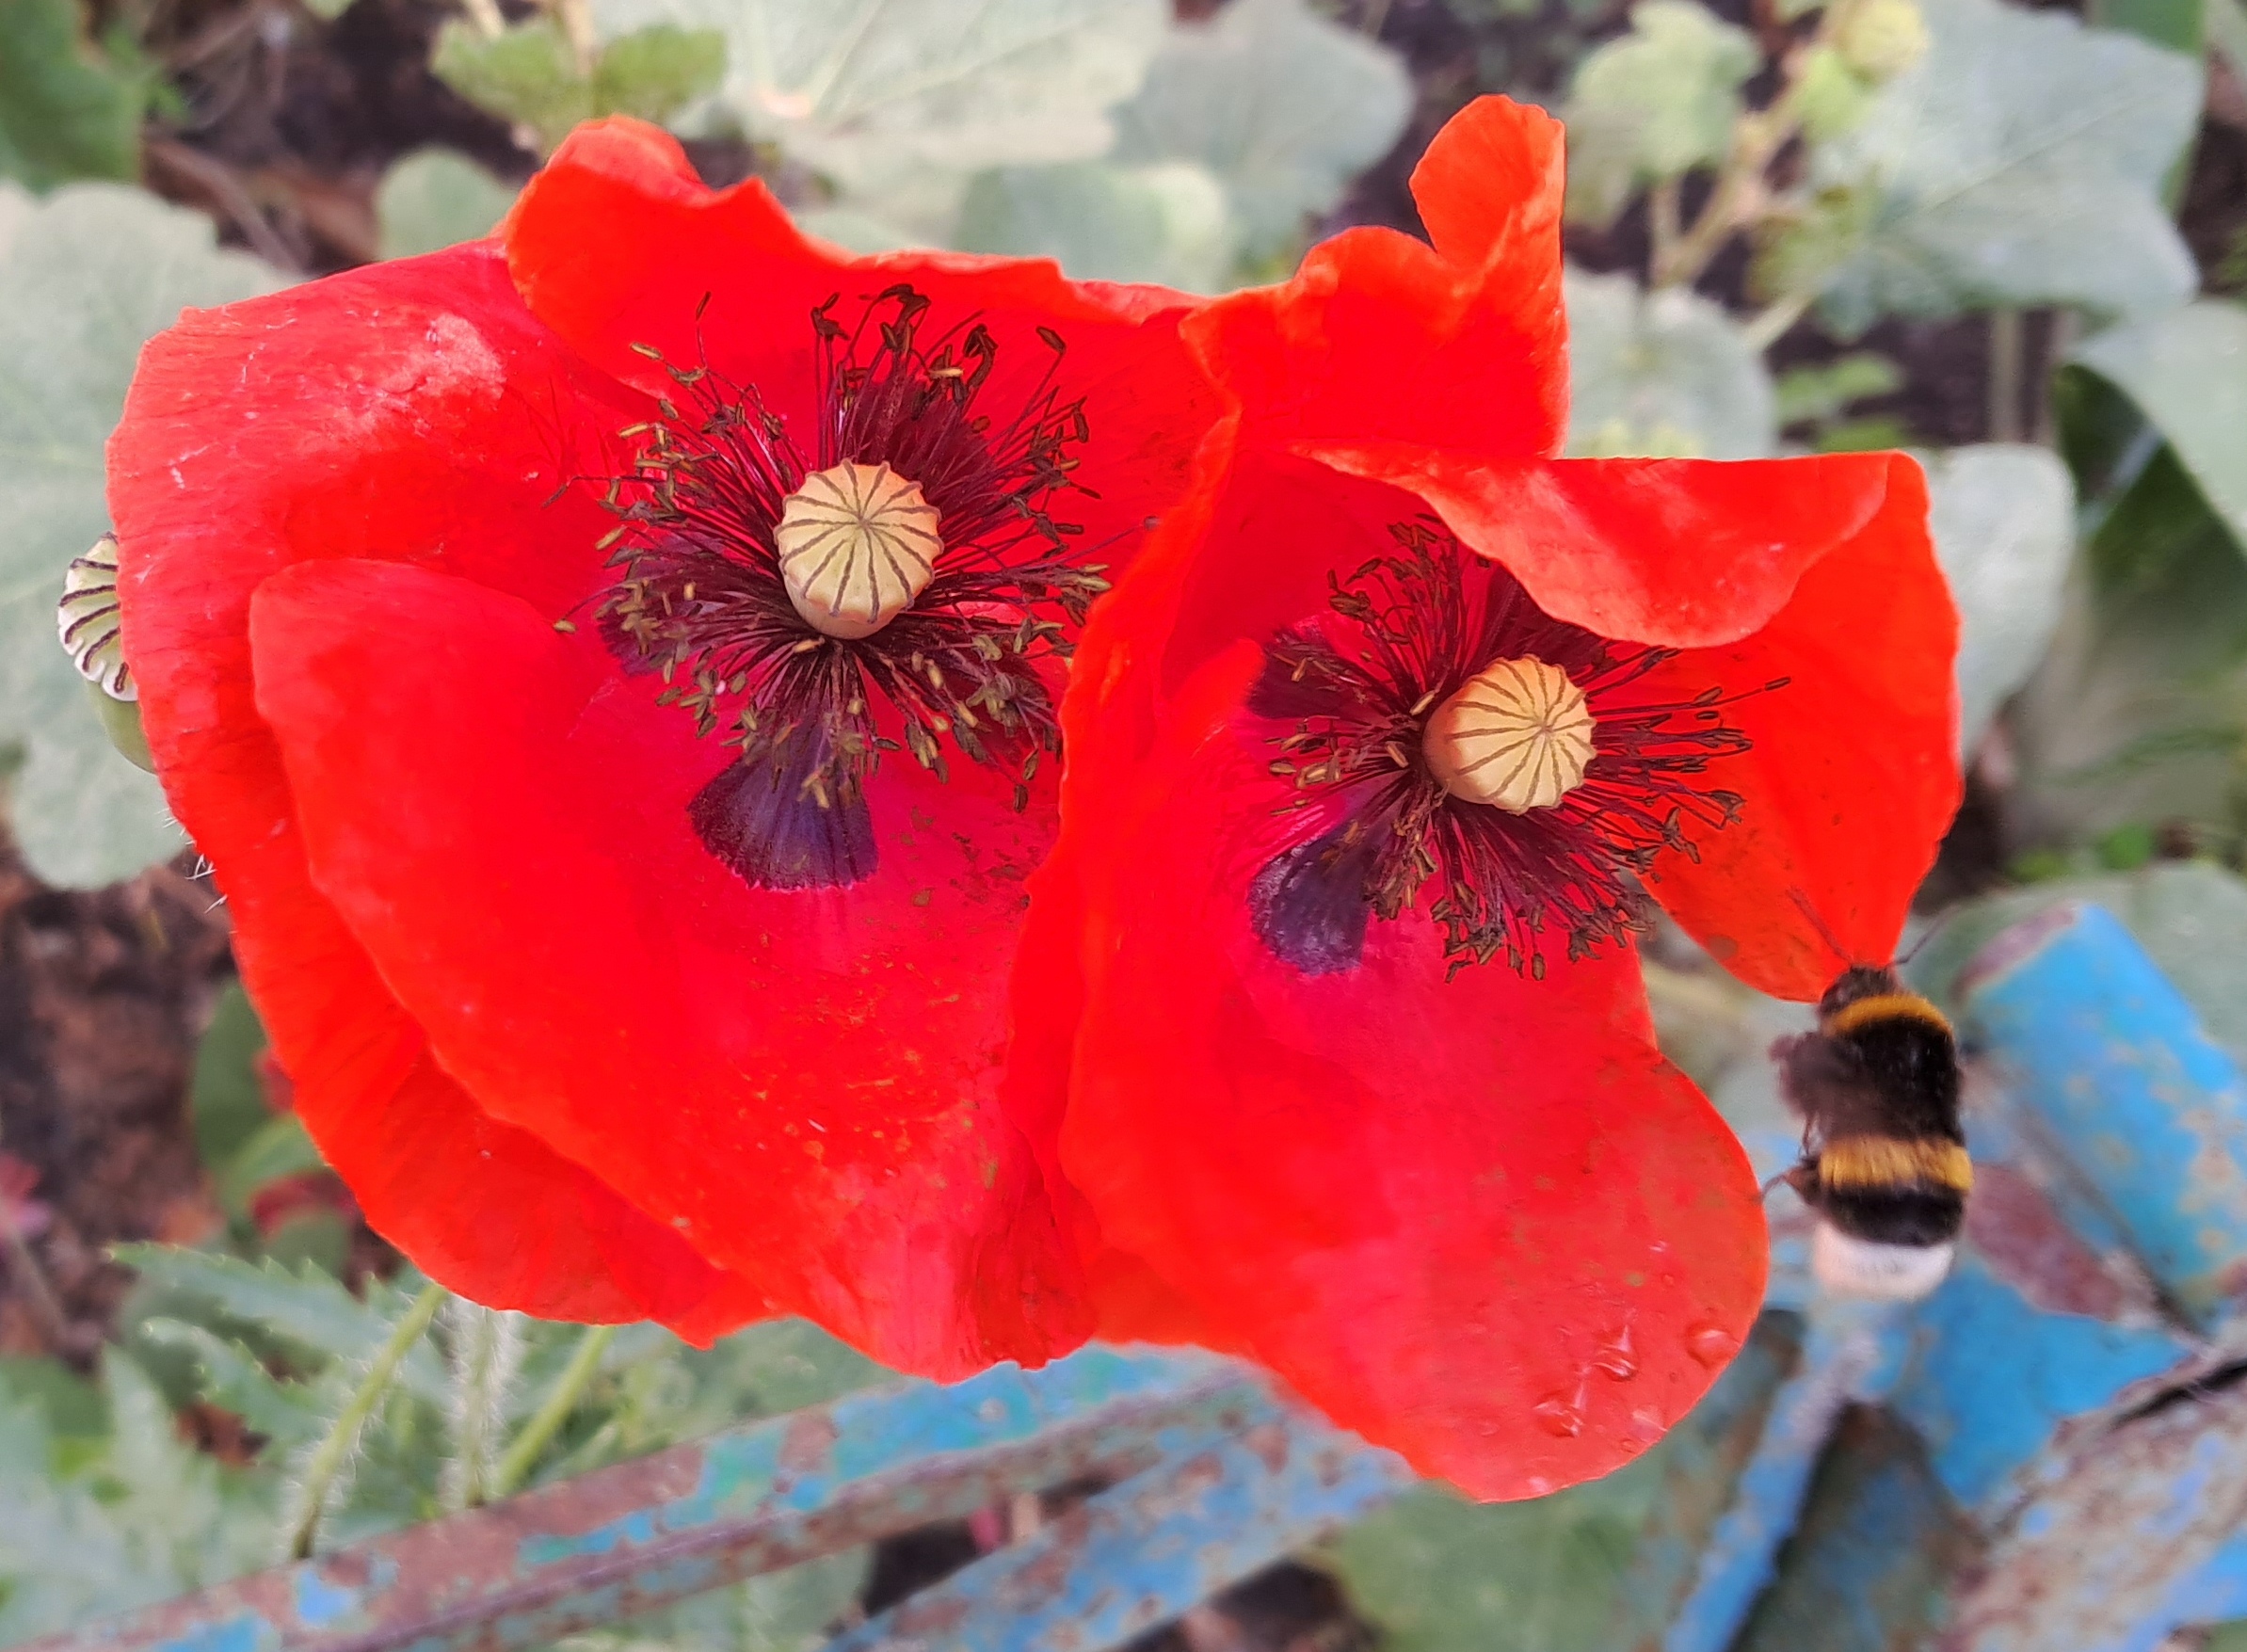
pixel 1884 1161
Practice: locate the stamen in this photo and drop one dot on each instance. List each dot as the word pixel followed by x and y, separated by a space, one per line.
pixel 1517 736
pixel 1527 803
pixel 858 543
pixel 787 584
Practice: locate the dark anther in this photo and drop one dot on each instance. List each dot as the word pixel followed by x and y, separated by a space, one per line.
pixel 767 822
pixel 1309 905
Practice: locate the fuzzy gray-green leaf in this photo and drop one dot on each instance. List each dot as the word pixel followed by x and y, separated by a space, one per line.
pixel 1665 373
pixel 1280 104
pixel 88 275
pixel 2019 163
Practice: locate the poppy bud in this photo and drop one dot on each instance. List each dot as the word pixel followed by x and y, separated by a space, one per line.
pixel 1882 38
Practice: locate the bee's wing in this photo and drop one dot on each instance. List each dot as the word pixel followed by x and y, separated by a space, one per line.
pixel 1823 1081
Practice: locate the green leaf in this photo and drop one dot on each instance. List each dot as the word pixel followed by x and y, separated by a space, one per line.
pixel 147 1517
pixel 898 101
pixel 1816 393
pixel 527 77
pixel 2185 370
pixel 655 73
pixel 1666 374
pixel 307 1310
pixel 1654 104
pixel 436 197
pixel 279 1147
pixel 2003 519
pixel 63 112
pixel 1282 105
pixel 89 275
pixel 225 1100
pixel 2178 25
pixel 2020 163
pixel 2136 712
pixel 233 1377
pixel 1165 223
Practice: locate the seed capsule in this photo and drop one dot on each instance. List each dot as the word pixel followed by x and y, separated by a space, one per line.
pixel 88 619
pixel 1517 736
pixel 858 543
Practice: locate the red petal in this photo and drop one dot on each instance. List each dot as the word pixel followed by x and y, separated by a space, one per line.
pixel 614 247
pixel 210 496
pixel 1482 1222
pixel 1678 553
pixel 1379 337
pixel 1855 775
pixel 804 1083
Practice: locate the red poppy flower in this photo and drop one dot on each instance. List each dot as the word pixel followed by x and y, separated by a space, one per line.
pixel 612 671
pixel 1371 755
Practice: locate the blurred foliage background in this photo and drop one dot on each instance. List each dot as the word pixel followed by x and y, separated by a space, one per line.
pixel 2012 238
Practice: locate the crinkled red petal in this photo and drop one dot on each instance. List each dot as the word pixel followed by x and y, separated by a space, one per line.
pixel 1379 337
pixel 1482 1222
pixel 617 248
pixel 1853 777
pixel 803 1083
pixel 211 496
pixel 1678 553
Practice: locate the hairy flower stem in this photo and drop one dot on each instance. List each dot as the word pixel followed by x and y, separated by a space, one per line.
pixel 335 1447
pixel 523 1454
pixel 485 1349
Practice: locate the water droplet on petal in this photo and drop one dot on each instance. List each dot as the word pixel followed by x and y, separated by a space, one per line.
pixel 1557 1415
pixel 1711 1344
pixel 1646 1424
pixel 1618 1359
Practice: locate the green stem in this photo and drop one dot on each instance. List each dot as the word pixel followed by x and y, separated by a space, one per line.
pixel 2008 364
pixel 561 1400
pixel 1766 327
pixel 328 1456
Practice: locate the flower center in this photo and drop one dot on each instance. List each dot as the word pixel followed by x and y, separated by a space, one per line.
pixel 857 543
pixel 787 580
pixel 1448 735
pixel 1517 736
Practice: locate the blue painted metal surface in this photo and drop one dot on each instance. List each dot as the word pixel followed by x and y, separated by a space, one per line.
pixel 1850 1355
pixel 1142 1552
pixel 2069 1479
pixel 641 1534
pixel 2112 1063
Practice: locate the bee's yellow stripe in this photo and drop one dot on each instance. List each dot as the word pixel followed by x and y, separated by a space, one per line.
pixel 1894 1162
pixel 1889 1007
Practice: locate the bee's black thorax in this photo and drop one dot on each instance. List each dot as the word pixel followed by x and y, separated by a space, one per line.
pixel 1883 1156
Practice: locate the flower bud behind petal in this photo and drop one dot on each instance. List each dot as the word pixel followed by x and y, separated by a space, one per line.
pixel 121 721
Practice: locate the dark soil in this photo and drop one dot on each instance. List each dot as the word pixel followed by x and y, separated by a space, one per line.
pixel 103 995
